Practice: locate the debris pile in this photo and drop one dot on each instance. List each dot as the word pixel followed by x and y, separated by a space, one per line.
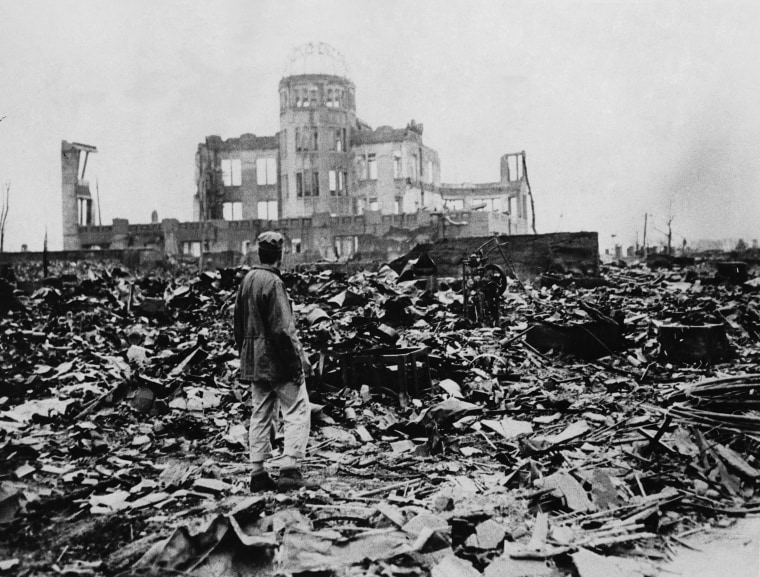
pixel 570 436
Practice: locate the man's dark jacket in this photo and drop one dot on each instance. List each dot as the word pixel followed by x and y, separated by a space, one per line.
pixel 265 330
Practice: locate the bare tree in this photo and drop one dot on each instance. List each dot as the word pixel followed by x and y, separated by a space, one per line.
pixel 530 193
pixel 671 218
pixel 670 234
pixel 4 207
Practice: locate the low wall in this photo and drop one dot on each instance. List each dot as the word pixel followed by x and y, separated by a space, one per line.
pixel 131 258
pixel 530 255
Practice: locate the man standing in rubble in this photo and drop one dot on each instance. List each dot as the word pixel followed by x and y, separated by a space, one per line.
pixel 271 360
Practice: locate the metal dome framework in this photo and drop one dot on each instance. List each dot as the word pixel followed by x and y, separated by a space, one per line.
pixel 316 58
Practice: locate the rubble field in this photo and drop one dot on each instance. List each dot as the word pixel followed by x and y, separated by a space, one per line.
pixel 589 431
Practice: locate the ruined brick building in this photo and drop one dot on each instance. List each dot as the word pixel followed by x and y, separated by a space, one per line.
pixel 335 187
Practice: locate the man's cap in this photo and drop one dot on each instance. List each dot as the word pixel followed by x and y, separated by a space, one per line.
pixel 271 241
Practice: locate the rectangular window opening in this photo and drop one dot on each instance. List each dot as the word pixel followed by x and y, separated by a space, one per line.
pixel 266 209
pixel 191 248
pixel 85 212
pixel 515 167
pixel 372 166
pixel 232 211
pixel 339 183
pixel 315 183
pixel 414 169
pixel 231 172
pixel 307 183
pixel 346 245
pixel 226 172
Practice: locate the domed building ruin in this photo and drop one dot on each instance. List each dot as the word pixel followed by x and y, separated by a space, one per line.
pixel 334 186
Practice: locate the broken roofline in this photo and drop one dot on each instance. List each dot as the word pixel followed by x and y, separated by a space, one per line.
pixel 77 146
pixel 445 187
pixel 385 133
pixel 286 81
pixel 246 141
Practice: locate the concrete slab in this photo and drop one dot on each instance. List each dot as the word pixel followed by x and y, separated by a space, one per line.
pixel 734 551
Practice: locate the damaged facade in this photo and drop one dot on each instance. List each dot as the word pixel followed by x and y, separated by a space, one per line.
pixel 336 188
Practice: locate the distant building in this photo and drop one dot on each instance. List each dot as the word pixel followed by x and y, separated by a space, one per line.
pixel 330 183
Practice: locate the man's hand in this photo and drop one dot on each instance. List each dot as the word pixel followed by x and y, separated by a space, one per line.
pixel 308 371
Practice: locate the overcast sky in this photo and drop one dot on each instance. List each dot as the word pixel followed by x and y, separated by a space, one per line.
pixel 623 108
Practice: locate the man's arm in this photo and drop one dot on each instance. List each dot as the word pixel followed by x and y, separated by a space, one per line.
pixel 239 319
pixel 283 328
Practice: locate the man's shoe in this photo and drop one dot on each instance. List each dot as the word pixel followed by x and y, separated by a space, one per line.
pixel 292 479
pixel 262 482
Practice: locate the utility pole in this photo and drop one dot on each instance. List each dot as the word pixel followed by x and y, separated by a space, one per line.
pixel 4 207
pixel 203 204
pixel 670 234
pixel 644 242
pixel 530 193
pixel 97 196
pixel 45 256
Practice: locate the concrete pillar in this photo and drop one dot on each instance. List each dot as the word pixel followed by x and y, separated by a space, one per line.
pixel 120 234
pixel 169 227
pixel 69 177
pixel 504 166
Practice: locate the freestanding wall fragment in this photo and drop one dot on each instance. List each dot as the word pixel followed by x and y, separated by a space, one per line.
pixel 78 208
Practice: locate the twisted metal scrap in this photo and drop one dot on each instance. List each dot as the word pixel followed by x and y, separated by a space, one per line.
pixel 727 402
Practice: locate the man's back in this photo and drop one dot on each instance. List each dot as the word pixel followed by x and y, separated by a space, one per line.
pixel 265 331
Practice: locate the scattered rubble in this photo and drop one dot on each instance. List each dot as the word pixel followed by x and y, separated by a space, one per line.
pixel 572 436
